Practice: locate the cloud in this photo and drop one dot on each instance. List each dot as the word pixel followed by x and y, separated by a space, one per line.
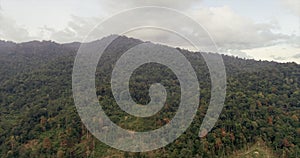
pixel 77 29
pixel 229 30
pixel 238 53
pixel 280 58
pixel 295 41
pixel 279 53
pixel 119 4
pixel 297 56
pixel 232 31
pixel 292 5
pixel 9 30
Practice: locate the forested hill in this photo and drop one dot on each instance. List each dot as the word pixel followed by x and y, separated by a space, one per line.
pixel 38 117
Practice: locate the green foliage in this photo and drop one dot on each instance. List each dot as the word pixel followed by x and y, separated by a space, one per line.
pixel 38 117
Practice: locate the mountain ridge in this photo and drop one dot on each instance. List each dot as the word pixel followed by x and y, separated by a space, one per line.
pixel 76 44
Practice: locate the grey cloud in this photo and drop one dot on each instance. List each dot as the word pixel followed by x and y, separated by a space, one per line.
pixel 238 53
pixel 120 4
pixel 232 31
pixel 166 3
pixel 9 30
pixel 280 58
pixel 229 30
pixel 297 56
pixel 295 41
pixel 78 28
pixel 292 5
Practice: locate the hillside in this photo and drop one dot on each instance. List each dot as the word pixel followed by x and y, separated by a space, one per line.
pixel 38 117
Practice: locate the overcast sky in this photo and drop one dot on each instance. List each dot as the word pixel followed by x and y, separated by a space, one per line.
pixel 259 29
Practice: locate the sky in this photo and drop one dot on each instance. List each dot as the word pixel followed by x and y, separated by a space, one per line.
pixel 262 30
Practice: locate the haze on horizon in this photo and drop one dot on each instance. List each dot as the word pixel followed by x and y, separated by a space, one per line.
pixel 266 30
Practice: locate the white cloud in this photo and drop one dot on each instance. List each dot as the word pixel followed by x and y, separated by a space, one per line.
pixel 77 29
pixel 232 31
pixel 292 5
pixel 9 30
pixel 238 53
pixel 297 56
pixel 117 5
pixel 278 58
pixel 279 53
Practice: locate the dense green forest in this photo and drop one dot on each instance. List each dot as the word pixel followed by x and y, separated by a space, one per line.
pixel 38 117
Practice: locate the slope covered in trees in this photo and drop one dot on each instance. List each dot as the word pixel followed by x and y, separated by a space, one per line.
pixel 38 117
